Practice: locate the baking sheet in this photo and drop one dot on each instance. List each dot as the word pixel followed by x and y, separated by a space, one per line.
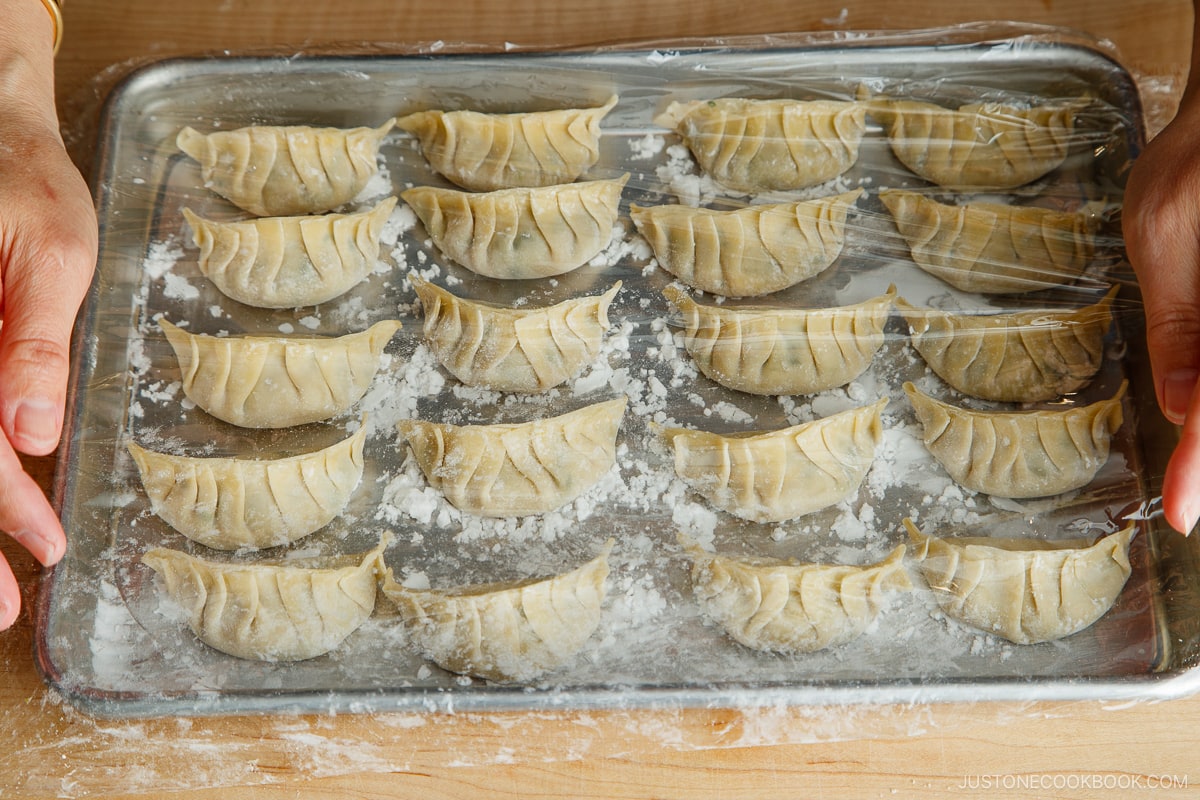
pixel 111 642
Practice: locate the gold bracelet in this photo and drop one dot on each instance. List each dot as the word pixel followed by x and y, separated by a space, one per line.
pixel 55 10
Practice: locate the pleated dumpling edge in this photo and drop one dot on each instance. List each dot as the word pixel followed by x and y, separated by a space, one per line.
pixel 1025 590
pixel 278 170
pixel 506 632
pixel 278 381
pixel 271 612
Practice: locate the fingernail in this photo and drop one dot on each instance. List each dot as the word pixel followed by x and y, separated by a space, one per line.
pixel 1177 393
pixel 36 422
pixel 41 547
pixel 1189 522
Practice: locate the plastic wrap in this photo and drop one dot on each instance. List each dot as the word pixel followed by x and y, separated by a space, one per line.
pixel 114 642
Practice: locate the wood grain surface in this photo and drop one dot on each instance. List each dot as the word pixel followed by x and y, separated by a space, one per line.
pixel 1083 750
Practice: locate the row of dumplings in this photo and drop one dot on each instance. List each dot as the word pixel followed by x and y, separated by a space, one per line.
pixel 288 262
pixel 520 631
pixel 746 144
pixel 533 233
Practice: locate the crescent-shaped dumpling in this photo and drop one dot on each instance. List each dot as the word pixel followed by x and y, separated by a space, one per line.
pixel 1025 590
pixel 516 470
pixel 485 152
pixel 277 381
pixel 271 612
pixel 1021 357
pixel 510 349
pixel 520 233
pixel 777 351
pixel 287 262
pixel 272 170
pixel 993 247
pixel 748 252
pixel 791 607
pixel 505 632
pixel 235 503
pixel 769 145
pixel 778 475
pixel 979 146
pixel 1019 454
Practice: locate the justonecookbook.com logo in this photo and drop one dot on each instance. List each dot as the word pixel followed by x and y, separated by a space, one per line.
pixel 1060 781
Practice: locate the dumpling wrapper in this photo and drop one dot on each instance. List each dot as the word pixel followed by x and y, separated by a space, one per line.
pixel 748 252
pixel 517 470
pixel 278 381
pixel 244 503
pixel 778 475
pixel 979 146
pixel 1019 454
pixel 791 607
pixel 769 145
pixel 485 152
pixel 271 612
pixel 1025 590
pixel 288 262
pixel 510 349
pixel 778 351
pixel 1021 357
pixel 507 633
pixel 992 247
pixel 275 171
pixel 520 234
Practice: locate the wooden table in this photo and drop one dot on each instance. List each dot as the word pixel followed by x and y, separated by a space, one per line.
pixel 1011 750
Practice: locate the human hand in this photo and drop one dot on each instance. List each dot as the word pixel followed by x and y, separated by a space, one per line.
pixel 48 245
pixel 1161 223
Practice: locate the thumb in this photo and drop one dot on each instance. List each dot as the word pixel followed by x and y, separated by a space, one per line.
pixel 1162 238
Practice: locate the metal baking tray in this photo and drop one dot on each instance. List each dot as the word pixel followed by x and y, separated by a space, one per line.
pixel 108 642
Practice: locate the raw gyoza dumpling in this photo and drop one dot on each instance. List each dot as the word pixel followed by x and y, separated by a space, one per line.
pixel 515 470
pixel 271 611
pixel 993 247
pixel 777 475
pixel 505 632
pixel 272 170
pixel 286 262
pixel 1022 357
pixel 232 503
pixel 782 350
pixel 277 381
pixel 484 152
pixel 748 252
pixel 1019 454
pixel 1026 590
pixel 979 146
pixel 510 349
pixel 768 145
pixel 792 607
pixel 520 233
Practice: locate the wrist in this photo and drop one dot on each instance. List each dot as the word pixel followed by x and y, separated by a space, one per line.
pixel 31 27
pixel 27 64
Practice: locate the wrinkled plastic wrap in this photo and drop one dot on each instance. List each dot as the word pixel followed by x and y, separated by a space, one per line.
pixel 113 641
